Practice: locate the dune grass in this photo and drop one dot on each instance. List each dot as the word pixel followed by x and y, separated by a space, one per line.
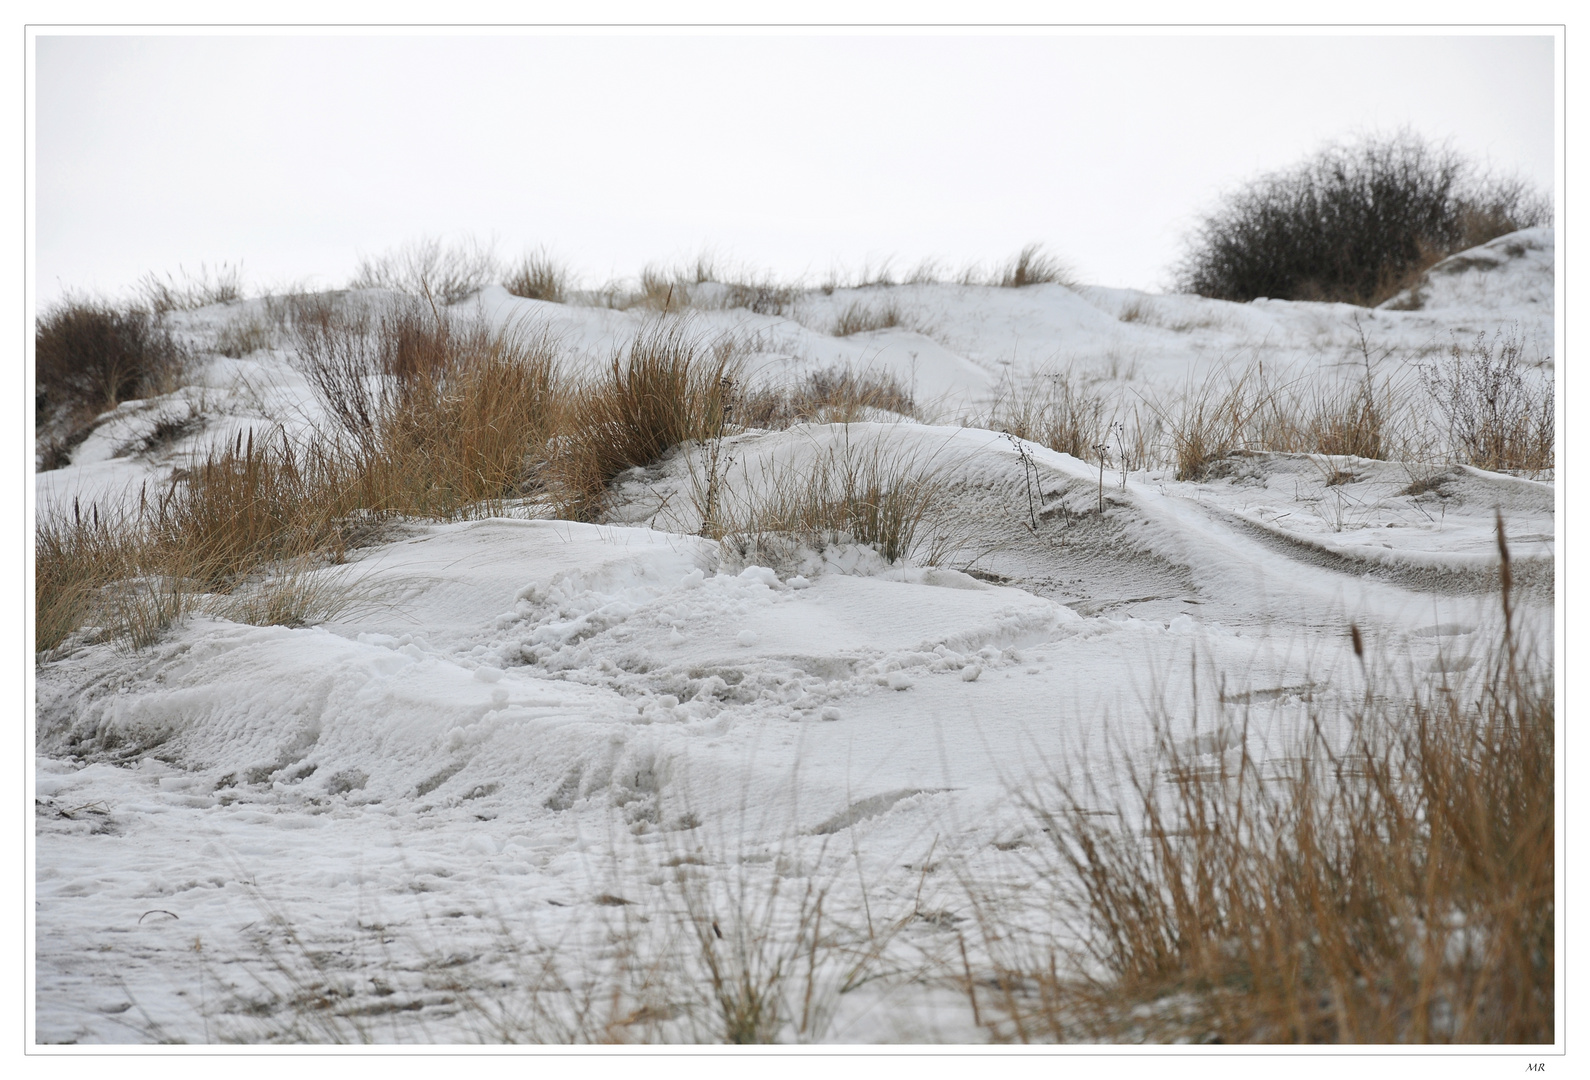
pixel 852 492
pixel 669 385
pixel 539 277
pixel 1392 884
pixel 1033 266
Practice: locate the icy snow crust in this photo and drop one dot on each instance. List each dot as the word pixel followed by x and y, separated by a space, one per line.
pixel 528 732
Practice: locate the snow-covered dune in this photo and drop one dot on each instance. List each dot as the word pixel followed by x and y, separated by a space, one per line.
pixel 518 730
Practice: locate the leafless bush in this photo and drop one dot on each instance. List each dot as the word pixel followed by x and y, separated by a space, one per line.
pixel 1354 223
pixel 429 269
pixel 89 356
pixel 1495 419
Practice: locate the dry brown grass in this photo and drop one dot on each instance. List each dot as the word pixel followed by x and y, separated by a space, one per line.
pixel 660 291
pixel 476 433
pixel 1258 408
pixel 539 277
pixel 836 395
pixel 380 374
pixel 448 421
pixel 1032 266
pixel 240 510
pixel 222 285
pixel 244 506
pixel 245 335
pixel 75 557
pixel 668 386
pixel 862 317
pixel 1392 885
pixel 1211 420
pixel 1058 410
pixel 855 492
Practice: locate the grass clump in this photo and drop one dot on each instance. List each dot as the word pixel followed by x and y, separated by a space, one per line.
pixel 1032 266
pixel 75 557
pixel 440 414
pixel 1354 223
pixel 1057 410
pixel 538 277
pixel 666 387
pixel 852 492
pixel 1212 420
pixel 472 434
pixel 860 317
pixel 222 285
pixel 441 421
pixel 1393 884
pixel 835 395
pixel 242 509
pixel 243 336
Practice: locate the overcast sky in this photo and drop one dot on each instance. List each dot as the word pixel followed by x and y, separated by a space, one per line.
pixel 295 154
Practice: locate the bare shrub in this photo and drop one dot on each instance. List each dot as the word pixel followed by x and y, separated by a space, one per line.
pixel 667 386
pixel 1032 266
pixel 88 357
pixel 429 269
pixel 1494 418
pixel 538 277
pixel 1391 886
pixel 339 355
pixel 1352 223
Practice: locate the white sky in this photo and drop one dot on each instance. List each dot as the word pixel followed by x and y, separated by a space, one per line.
pixel 790 153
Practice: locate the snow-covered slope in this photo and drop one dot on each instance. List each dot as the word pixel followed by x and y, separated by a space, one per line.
pixel 521 737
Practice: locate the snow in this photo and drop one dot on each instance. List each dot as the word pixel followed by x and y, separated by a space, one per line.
pixel 525 734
